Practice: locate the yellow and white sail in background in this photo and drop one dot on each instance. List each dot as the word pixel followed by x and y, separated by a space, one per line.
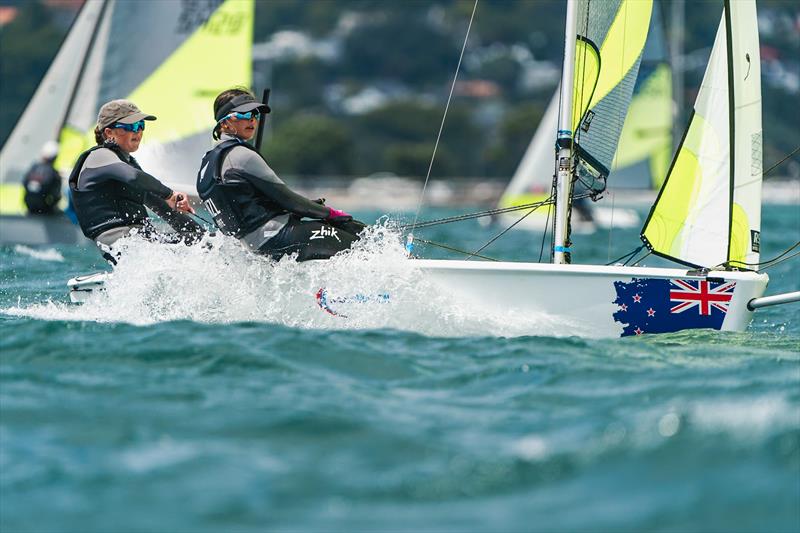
pixel 613 40
pixel 708 212
pixel 42 118
pixel 170 58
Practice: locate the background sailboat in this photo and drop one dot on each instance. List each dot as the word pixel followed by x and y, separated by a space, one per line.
pixel 641 159
pixel 183 55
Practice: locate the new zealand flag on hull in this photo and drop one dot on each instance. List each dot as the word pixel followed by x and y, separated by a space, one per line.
pixel 663 305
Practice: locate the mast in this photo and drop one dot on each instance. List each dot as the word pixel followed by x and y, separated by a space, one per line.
pixel 676 40
pixel 564 141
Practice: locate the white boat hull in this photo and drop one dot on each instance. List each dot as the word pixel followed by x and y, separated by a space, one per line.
pixel 604 300
pixel 592 300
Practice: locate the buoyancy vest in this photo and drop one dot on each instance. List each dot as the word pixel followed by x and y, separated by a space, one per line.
pixel 42 188
pixel 236 206
pixel 108 203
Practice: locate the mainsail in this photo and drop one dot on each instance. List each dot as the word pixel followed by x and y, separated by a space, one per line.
pixel 184 54
pixel 708 212
pixel 644 146
pixel 611 39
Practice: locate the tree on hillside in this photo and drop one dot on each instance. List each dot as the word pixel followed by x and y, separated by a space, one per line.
pixel 28 44
pixel 308 144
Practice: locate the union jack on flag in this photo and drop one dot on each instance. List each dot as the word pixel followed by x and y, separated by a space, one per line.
pixel 659 305
pixel 702 294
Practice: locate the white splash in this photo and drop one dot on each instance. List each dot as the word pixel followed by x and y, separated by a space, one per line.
pixel 48 254
pixel 221 282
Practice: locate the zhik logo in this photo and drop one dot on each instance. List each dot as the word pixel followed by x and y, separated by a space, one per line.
pixel 324 231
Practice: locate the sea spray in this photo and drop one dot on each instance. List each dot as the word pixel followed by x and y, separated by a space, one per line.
pixel 219 281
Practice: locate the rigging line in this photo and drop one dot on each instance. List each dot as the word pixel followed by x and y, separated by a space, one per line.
pixel 469 216
pixel 611 226
pixel 626 256
pixel 770 169
pixel 479 250
pixel 781 261
pixel 444 116
pixel 457 250
pixel 546 224
pixel 645 256
pixel 789 249
pixel 479 214
pixel 773 167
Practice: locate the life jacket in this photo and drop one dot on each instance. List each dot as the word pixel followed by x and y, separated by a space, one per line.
pixel 109 203
pixel 42 188
pixel 236 206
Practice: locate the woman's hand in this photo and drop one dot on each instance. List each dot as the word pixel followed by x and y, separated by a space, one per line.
pixel 180 202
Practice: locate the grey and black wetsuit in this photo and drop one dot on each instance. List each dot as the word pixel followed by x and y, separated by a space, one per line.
pixel 110 191
pixel 249 201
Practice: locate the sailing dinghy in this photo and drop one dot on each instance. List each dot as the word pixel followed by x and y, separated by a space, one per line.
pixel 706 217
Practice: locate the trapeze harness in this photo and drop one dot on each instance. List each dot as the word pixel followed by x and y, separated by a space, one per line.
pixel 264 213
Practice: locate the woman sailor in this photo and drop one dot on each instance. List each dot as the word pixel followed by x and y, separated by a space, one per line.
pixel 110 190
pixel 250 202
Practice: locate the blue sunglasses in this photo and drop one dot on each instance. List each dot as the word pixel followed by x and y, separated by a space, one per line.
pixel 242 116
pixel 136 126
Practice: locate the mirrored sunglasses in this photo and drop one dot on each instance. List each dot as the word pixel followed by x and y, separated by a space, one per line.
pixel 243 116
pixel 136 126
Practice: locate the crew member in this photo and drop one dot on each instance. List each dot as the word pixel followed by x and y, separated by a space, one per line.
pixel 249 201
pixel 110 190
pixel 42 183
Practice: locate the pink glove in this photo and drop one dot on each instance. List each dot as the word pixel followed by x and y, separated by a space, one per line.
pixel 334 215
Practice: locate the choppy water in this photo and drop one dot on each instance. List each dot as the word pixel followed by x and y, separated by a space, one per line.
pixel 207 392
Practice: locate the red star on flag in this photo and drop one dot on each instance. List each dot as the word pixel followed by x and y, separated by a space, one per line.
pixel 651 312
pixel 638 330
pixel 623 307
pixel 637 298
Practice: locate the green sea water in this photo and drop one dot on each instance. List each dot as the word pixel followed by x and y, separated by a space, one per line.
pixel 207 392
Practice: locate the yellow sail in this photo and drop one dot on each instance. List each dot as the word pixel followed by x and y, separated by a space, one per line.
pixel 180 90
pixel 708 211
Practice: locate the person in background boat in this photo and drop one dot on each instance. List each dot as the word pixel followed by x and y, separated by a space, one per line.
pixel 110 191
pixel 250 202
pixel 42 183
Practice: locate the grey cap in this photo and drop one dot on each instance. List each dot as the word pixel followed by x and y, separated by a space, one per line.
pixel 122 111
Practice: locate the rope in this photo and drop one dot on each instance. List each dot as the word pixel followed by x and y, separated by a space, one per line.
pixel 781 260
pixel 773 167
pixel 627 256
pixel 769 262
pixel 441 126
pixel 479 214
pixel 476 252
pixel 457 250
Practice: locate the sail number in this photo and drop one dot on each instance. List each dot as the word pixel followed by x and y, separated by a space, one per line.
pixel 204 13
